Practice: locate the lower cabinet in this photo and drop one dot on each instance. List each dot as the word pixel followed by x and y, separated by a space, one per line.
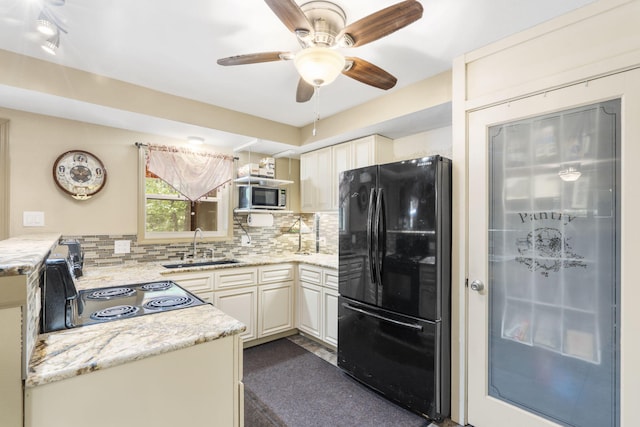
pixel 242 305
pixel 260 297
pixel 318 303
pixel 330 316
pixel 310 308
pixel 275 308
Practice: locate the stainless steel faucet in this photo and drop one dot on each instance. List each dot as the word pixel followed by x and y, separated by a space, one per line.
pixel 195 235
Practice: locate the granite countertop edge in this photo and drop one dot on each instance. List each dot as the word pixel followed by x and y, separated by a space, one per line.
pixel 72 352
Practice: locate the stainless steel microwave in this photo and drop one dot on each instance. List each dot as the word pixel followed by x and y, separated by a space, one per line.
pixel 259 197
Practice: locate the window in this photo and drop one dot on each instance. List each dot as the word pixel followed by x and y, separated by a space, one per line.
pixel 165 214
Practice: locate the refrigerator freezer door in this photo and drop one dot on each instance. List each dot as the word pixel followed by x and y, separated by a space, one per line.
pixel 398 356
pixel 356 209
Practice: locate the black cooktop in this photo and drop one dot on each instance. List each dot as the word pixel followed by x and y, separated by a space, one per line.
pixel 123 302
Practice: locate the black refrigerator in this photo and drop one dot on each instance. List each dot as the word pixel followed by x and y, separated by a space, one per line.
pixel 395 281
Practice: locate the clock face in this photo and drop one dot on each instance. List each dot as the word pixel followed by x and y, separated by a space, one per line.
pixel 79 173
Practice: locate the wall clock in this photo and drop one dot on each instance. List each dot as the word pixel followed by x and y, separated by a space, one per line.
pixel 79 174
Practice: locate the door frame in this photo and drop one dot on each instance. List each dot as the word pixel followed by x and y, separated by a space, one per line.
pixel 506 71
pixel 4 178
pixel 577 95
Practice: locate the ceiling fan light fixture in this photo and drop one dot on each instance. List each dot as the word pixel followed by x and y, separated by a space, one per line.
pixel 319 66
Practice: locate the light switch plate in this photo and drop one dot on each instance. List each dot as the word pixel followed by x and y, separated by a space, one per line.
pixel 122 246
pixel 33 219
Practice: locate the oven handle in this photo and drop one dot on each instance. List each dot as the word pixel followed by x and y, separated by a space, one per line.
pixel 385 319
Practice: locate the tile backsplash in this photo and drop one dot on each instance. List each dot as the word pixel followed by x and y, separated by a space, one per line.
pixel 272 240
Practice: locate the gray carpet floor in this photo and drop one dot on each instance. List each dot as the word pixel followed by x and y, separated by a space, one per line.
pixel 286 385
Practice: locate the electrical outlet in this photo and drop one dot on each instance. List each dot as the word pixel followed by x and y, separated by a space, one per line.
pixel 245 241
pixel 33 219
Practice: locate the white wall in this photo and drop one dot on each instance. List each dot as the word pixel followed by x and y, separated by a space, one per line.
pixel 35 141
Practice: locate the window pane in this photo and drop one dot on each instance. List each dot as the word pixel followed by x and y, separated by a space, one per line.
pixel 168 215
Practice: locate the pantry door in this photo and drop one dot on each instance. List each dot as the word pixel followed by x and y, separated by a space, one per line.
pixel 552 300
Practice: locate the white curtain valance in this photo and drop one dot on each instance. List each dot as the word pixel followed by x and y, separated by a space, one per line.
pixel 193 173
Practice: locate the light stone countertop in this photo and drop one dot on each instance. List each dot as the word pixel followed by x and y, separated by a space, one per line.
pixel 64 354
pixel 71 352
pixel 20 255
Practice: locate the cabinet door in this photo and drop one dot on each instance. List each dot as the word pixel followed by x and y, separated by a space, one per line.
pixel 323 180
pixel 193 282
pixel 275 308
pixel 277 273
pixel 308 167
pixel 241 305
pixel 341 159
pixel 310 308
pixel 315 180
pixel 235 277
pixel 330 316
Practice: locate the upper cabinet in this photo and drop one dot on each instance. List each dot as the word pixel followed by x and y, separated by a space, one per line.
pixel 320 169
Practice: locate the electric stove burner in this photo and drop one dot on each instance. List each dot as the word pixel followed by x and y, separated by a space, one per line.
pixel 130 300
pixel 111 293
pixel 115 312
pixel 168 301
pixel 156 286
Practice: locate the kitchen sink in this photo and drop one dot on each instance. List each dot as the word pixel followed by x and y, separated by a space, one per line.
pixel 201 263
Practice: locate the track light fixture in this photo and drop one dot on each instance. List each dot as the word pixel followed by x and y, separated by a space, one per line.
pixel 48 25
pixel 45 25
pixel 51 44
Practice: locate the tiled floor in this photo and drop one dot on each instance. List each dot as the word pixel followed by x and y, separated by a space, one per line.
pixel 330 356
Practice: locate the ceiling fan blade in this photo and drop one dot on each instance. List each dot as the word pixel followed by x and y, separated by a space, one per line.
pixel 290 14
pixel 383 22
pixel 253 58
pixel 367 73
pixel 304 92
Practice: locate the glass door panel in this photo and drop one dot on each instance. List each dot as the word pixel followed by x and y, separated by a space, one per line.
pixel 553 264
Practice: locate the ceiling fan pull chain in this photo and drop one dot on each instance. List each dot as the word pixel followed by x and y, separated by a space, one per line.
pixel 316 93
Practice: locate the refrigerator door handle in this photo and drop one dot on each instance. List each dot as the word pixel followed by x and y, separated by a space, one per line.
pixel 385 319
pixel 379 235
pixel 371 235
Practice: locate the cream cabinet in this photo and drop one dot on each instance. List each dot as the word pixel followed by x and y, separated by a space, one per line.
pixel 241 304
pixel 310 308
pixel 198 283
pixel 260 297
pixel 315 180
pixel 275 299
pixel 320 169
pixel 318 303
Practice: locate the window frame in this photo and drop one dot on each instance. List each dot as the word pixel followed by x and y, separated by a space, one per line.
pixel 225 211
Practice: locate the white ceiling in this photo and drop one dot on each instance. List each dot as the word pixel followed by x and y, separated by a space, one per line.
pixel 173 46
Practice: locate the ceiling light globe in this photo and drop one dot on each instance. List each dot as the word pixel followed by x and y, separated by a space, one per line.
pixel 319 66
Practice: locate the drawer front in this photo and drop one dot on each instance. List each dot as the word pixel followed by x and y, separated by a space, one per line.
pixel 193 282
pixel 330 279
pixel 276 273
pixel 310 274
pixel 235 277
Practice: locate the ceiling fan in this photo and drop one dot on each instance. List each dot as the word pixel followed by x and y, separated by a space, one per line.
pixel 320 27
